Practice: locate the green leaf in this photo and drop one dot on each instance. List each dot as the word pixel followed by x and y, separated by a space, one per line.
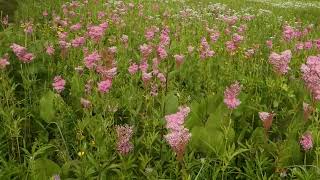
pixel 171 104
pixel 44 169
pixel 47 111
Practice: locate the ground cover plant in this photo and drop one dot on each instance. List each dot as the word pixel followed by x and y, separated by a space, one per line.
pixel 176 89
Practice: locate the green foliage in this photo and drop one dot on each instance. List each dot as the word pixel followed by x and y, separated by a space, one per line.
pixel 47 108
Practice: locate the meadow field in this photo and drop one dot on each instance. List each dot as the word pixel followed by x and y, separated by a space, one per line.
pixel 160 89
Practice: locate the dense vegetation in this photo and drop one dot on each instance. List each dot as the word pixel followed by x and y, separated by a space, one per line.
pixel 176 89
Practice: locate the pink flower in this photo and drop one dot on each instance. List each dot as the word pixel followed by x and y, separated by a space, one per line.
pixel 178 136
pixel 162 53
pixel 311 75
pixel 133 68
pixel 231 47
pixel 215 36
pixel 236 38
pixel 28 28
pixel 97 32
pixel 205 51
pixel 299 46
pixel 58 84
pixel 146 77
pixel 161 77
pixel 179 59
pixel 50 49
pixel 230 20
pixel 269 44
pixel 75 27
pixel 101 15
pixel 77 42
pixel 266 118
pixel 85 103
pixel 150 32
pixel 113 49
pixel 21 53
pixel 143 66
pixel 164 37
pixel 317 42
pixel 230 95
pixel 308 45
pixel 4 61
pixel 104 86
pixel 145 50
pixel 288 33
pixel 242 28
pixel 91 59
pixel 306 141
pixel 280 62
pixel 124 134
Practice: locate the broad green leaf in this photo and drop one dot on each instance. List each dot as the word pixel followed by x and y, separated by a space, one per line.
pixel 171 104
pixel 47 110
pixel 44 169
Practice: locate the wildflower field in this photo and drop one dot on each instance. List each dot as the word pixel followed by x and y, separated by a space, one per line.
pixel 160 89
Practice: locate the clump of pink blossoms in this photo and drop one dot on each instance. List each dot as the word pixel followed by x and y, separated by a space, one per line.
pixel 205 50
pixel 104 86
pixel 50 49
pixel 21 53
pixel 230 95
pixel 306 141
pixel 58 84
pixel 78 42
pixel 178 136
pixel 133 68
pixel 311 75
pixel 280 62
pixel 124 134
pixel 91 59
pixel 97 32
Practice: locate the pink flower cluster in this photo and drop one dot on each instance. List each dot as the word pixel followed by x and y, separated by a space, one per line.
pixel 280 62
pixel 21 53
pixel 178 136
pixel 58 84
pixel 97 32
pixel 124 134
pixel 104 86
pixel 78 42
pixel 164 42
pixel 205 50
pixel 230 95
pixel 306 141
pixel 311 75
pixel 50 49
pixel 91 59
pixel 150 32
